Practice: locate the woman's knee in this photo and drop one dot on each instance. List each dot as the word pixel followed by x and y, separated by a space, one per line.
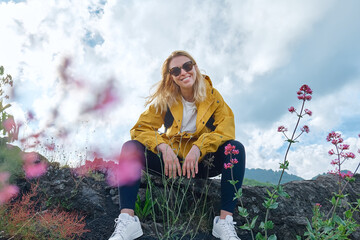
pixel 133 148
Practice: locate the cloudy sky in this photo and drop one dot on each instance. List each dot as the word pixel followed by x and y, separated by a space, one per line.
pixel 257 53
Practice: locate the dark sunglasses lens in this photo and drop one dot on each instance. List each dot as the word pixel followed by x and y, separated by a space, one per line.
pixel 175 71
pixel 187 66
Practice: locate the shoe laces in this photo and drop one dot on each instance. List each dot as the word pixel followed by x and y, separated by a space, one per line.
pixel 229 229
pixel 120 226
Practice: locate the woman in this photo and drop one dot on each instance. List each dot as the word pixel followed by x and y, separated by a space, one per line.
pixel 198 124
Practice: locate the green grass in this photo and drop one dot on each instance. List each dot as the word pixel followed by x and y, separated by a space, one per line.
pixel 252 182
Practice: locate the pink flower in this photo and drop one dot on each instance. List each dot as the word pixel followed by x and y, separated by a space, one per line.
pixel 30 158
pixel 8 192
pixel 230 149
pixel 228 165
pixel 318 205
pixel 335 162
pixel 282 129
pixel 305 128
pixel 331 152
pixel 344 146
pixel 35 170
pixel 349 155
pixel 50 147
pixel 301 97
pixel 125 172
pixel 9 124
pixel 234 161
pixel 348 174
pixel 291 109
pixel 304 93
pixel 308 112
pixel 105 99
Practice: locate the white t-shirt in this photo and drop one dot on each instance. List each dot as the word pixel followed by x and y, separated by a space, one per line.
pixel 189 117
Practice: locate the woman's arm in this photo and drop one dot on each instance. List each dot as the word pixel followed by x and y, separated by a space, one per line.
pixel 225 128
pixel 146 132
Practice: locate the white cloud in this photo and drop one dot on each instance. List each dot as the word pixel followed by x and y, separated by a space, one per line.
pixel 237 43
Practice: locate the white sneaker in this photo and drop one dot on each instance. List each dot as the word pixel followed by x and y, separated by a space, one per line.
pixel 126 228
pixel 224 228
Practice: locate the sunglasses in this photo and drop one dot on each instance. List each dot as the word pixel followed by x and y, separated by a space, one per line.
pixel 188 66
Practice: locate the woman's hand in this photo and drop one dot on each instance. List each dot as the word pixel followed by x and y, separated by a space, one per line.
pixel 190 165
pixel 171 162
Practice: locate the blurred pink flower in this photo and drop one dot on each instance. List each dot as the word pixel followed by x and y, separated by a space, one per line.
pixel 291 109
pixel 305 128
pixel 228 165
pixel 230 149
pixel 8 192
pixel 50 147
pixel 234 161
pixel 349 155
pixel 308 112
pixel 35 170
pixel 347 174
pixel 282 129
pixel 318 205
pixel 9 124
pixel 331 152
pixel 125 172
pixel 335 162
pixel 344 146
pixel 30 157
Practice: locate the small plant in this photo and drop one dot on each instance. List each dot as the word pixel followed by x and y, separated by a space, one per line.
pixel 332 225
pixel 22 219
pixel 143 208
pixel 180 213
pixel 270 203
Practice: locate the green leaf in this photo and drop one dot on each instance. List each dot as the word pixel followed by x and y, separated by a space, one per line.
pixel 282 192
pixel 338 220
pixel 269 193
pixel 308 226
pixel 333 200
pixel 238 194
pixel 253 222
pixel 269 225
pixel 272 237
pixel 243 212
pixel 259 236
pixel 274 205
pixel 245 227
pixel 1 70
pixel 233 182
pixel 298 237
pixel 348 214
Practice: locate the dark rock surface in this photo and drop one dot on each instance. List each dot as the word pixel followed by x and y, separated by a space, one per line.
pixel 99 202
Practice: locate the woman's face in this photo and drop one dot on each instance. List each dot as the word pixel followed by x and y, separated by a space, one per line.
pixel 185 80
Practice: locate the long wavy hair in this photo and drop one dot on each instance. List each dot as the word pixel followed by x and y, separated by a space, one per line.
pixel 168 92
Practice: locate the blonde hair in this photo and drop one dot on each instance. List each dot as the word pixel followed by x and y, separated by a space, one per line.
pixel 168 92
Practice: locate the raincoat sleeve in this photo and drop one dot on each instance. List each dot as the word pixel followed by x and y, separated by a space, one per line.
pixel 146 129
pixel 224 131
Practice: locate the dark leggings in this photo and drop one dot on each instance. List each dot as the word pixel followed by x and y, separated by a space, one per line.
pixel 154 163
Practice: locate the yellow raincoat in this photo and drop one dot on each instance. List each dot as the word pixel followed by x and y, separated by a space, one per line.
pixel 146 128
